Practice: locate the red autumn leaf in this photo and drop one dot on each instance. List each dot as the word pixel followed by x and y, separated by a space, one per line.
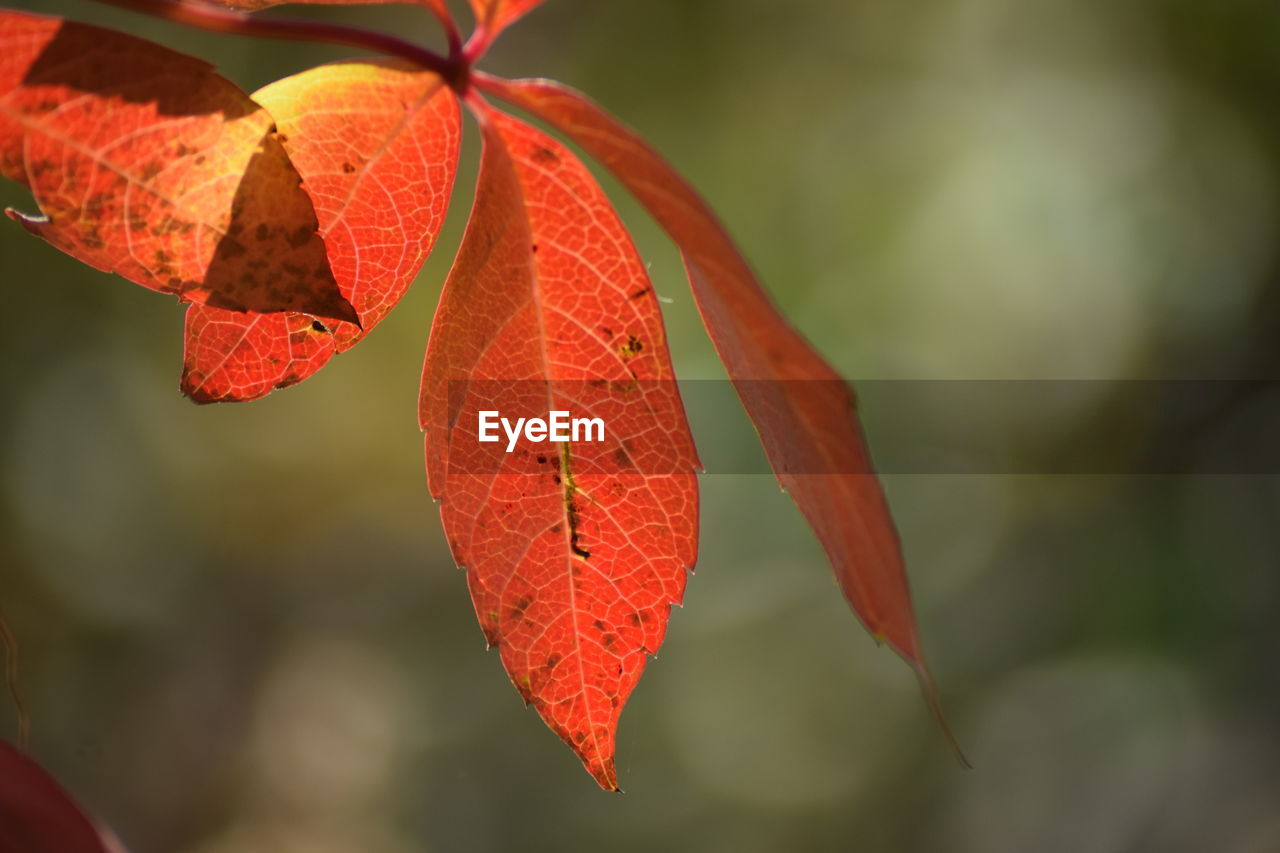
pixel 231 356
pixel 574 555
pixel 493 16
pixel 146 163
pixel 38 816
pixel 804 412
pixel 376 143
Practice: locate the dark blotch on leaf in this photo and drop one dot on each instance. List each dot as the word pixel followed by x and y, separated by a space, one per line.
pixel 521 605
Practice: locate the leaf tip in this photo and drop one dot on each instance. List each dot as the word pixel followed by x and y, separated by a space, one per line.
pixel 199 398
pixel 192 388
pixel 933 698
pixel 606 776
pixel 340 308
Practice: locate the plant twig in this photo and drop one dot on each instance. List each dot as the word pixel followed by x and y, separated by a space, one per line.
pixel 203 17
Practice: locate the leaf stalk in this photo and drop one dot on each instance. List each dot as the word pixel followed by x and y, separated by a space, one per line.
pixel 453 68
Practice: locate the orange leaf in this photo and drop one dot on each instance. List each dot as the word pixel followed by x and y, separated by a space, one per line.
pixel 493 16
pixel 377 145
pixel 146 163
pixel 231 356
pixel 804 412
pixel 573 554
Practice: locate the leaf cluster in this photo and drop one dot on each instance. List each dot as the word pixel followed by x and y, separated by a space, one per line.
pixel 293 219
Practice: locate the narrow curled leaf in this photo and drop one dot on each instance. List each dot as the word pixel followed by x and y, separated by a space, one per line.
pixel 38 816
pixel 574 552
pixel 376 143
pixel 146 163
pixel 805 414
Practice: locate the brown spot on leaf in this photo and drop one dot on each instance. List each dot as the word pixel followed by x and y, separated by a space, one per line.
pixel 521 605
pixel 631 348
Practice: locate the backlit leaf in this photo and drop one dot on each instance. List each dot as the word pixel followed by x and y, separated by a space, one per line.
pixel 229 356
pixel 377 145
pixel 804 413
pixel 146 163
pixel 495 15
pixel 574 552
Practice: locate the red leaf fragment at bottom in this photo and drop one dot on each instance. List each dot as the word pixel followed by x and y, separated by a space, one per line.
pixel 38 816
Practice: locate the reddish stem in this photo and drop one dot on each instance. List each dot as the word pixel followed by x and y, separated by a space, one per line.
pixel 451 33
pixel 478 43
pixel 453 68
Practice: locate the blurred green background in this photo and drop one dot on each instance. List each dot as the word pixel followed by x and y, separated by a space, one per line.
pixel 241 629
